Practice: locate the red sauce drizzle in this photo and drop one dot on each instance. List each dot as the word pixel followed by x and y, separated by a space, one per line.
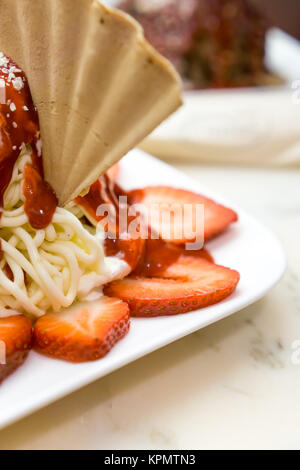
pixel 103 191
pixel 19 124
pixel 160 255
pixel 41 201
pixel 106 191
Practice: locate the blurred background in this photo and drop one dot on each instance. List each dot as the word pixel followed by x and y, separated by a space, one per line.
pixel 240 65
pixel 215 43
pixel 212 43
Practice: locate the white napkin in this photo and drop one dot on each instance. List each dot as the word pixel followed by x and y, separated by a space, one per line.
pixel 255 126
pixel 259 126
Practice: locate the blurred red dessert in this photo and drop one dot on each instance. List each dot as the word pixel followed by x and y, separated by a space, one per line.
pixel 212 43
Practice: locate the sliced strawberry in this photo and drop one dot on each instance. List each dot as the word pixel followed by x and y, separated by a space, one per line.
pixel 186 284
pixel 166 199
pixel 83 332
pixel 15 343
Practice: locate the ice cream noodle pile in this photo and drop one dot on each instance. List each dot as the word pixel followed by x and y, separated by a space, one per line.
pixel 48 258
pixel 99 88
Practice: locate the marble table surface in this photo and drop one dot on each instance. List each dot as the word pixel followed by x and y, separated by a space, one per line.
pixel 230 385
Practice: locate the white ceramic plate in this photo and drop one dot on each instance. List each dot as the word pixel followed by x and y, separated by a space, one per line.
pixel 248 247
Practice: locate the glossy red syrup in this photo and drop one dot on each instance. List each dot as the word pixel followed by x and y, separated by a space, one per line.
pixel 19 125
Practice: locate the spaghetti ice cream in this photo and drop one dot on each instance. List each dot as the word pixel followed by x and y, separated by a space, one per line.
pixel 49 257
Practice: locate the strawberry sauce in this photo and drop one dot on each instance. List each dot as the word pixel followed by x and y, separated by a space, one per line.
pixel 148 258
pixel 19 124
pixel 40 199
pixel 129 247
pixel 160 255
pixel 103 191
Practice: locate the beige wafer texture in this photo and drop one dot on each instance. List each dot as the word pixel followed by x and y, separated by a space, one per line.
pixel 99 87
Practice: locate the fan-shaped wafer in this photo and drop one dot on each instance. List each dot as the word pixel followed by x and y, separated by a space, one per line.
pixel 99 87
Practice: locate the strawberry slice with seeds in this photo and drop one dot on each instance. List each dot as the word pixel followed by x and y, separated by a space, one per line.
pixel 86 331
pixel 187 284
pixel 173 213
pixel 15 343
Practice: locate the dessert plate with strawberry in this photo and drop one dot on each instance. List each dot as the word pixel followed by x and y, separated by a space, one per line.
pixel 100 262
pixel 169 292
